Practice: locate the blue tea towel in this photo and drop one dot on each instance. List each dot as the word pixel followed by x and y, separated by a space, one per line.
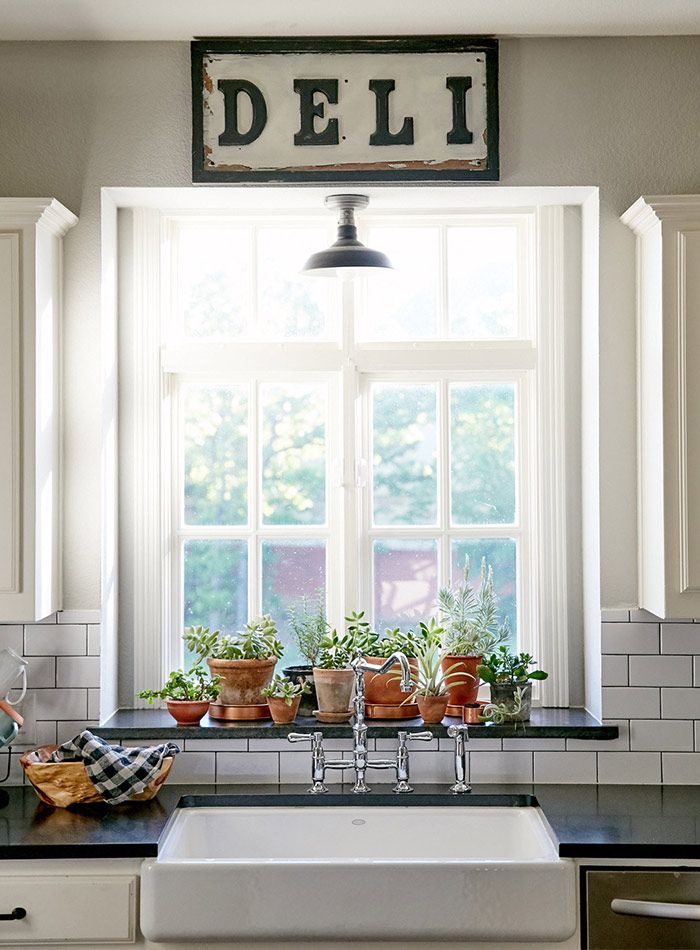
pixel 117 773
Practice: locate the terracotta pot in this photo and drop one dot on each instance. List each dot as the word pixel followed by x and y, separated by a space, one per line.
pixel 334 689
pixel 187 712
pixel 243 680
pixel 383 688
pixel 463 691
pixel 282 713
pixel 304 674
pixel 432 709
pixel 503 694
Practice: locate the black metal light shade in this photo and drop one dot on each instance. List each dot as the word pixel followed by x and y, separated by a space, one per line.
pixel 347 256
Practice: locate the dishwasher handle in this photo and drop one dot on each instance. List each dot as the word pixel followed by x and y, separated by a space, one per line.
pixel 660 909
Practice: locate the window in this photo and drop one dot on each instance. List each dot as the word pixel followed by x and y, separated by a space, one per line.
pixel 364 437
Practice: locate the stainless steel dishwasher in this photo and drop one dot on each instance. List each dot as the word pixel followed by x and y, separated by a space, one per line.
pixel 643 909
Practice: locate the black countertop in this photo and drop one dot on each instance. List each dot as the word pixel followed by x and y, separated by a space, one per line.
pixel 593 821
pixel 543 724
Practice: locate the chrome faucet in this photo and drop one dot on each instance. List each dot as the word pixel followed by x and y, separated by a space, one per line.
pixel 361 761
pixel 460 734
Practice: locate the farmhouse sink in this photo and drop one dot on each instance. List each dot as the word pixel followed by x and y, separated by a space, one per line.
pixel 368 873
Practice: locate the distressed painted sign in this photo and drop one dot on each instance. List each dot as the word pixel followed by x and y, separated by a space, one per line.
pixel 345 109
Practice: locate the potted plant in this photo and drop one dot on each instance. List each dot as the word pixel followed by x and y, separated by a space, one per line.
pixel 245 662
pixel 432 680
pixel 471 629
pixel 309 627
pixel 283 697
pixel 334 677
pixel 509 677
pixel 187 695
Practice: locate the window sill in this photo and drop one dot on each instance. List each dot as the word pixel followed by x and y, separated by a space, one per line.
pixel 134 724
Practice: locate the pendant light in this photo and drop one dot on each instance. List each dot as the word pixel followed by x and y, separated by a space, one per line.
pixel 348 256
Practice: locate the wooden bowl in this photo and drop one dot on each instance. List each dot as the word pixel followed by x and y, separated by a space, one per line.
pixel 66 783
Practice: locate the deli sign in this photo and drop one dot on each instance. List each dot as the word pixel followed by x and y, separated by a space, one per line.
pixel 345 109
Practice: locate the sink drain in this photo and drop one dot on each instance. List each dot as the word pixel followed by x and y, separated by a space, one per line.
pixel 359 821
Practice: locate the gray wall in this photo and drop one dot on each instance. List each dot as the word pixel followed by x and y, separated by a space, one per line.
pixel 621 114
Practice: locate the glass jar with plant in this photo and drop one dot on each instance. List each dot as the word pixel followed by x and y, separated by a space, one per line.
pixel 283 697
pixel 308 625
pixel 245 661
pixel 433 679
pixel 334 677
pixel 510 680
pixel 187 695
pixel 472 628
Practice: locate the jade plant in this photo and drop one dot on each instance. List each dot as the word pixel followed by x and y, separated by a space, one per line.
pixel 469 617
pixel 283 688
pixel 193 686
pixel 336 651
pixel 257 641
pixel 509 669
pixel 361 637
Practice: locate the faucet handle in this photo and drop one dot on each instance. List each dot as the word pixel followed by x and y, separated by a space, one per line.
pixel 315 738
pixel 421 736
pixel 454 732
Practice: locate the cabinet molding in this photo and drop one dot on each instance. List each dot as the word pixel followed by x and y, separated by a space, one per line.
pixel 668 402
pixel 31 232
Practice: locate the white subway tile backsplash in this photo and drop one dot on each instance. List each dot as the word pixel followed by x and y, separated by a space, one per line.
pixel 78 616
pixel 93 704
pixel 627 702
pixel 679 703
pixel 41 671
pixel 72 727
pixel 436 768
pixel 495 767
pixel 46 732
pixel 295 769
pixel 61 703
pixel 630 638
pixel 660 671
pixel 578 768
pixel 194 768
pixel 657 735
pixel 639 615
pixel 55 640
pixel 621 744
pixel 12 638
pixel 615 615
pixel 680 638
pixel 629 768
pixel 214 745
pixel 681 768
pixel 534 745
pixel 78 671
pixel 94 634
pixel 615 669
pixel 247 768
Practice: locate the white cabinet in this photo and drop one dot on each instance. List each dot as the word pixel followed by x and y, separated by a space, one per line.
pixel 668 363
pixel 31 232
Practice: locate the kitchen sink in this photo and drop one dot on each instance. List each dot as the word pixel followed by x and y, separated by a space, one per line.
pixel 364 872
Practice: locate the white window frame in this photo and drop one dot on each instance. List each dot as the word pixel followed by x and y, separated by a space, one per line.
pixel 155 607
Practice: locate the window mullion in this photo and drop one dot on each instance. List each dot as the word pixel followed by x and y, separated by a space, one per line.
pixel 444 498
pixel 254 498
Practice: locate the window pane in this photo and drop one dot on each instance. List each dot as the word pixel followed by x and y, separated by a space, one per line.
pixel 216 585
pixel 482 282
pixel 403 304
pixel 404 464
pixel 291 305
pixel 290 569
pixel 501 554
pixel 294 454
pixel 214 278
pixel 482 449
pixel 405 582
pixel 216 454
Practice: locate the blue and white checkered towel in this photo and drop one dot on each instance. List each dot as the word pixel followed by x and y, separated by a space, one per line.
pixel 117 773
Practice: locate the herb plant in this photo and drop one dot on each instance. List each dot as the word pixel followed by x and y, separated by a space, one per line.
pixel 283 688
pixel 309 626
pixel 193 686
pixel 257 641
pixel 363 639
pixel 509 669
pixel 336 651
pixel 470 618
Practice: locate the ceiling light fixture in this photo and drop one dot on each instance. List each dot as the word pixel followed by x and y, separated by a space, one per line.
pixel 348 256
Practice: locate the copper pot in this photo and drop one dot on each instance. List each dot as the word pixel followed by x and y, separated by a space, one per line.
pixel 462 690
pixel 432 709
pixel 187 712
pixel 383 688
pixel 242 681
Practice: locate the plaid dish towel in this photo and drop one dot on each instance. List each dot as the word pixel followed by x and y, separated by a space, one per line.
pixel 116 773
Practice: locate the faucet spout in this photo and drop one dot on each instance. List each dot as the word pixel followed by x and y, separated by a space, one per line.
pixel 396 659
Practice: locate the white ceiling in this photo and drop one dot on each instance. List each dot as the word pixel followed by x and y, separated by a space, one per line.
pixel 185 19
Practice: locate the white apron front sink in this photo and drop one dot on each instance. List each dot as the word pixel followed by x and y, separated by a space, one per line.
pixel 358 872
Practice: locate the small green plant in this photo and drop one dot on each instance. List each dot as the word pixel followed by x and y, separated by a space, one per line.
pixel 283 688
pixel 194 686
pixel 509 669
pixel 362 638
pixel 257 641
pixel 396 640
pixel 470 618
pixel 336 651
pixel 498 713
pixel 431 679
pixel 309 626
